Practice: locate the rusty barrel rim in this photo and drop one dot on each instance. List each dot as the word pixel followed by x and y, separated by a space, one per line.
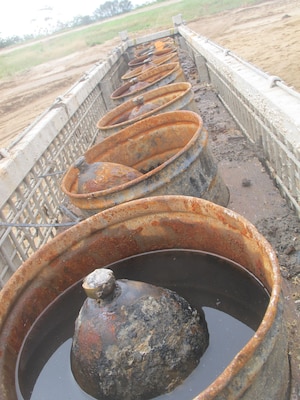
pixel 182 88
pixel 138 60
pixel 140 127
pixel 136 72
pixel 156 53
pixel 147 211
pixel 158 73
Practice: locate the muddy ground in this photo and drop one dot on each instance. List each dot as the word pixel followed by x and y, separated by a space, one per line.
pixel 267 35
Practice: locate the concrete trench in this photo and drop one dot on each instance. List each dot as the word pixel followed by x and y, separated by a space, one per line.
pixel 253 195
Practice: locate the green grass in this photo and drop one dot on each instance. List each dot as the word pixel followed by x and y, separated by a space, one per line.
pixel 156 19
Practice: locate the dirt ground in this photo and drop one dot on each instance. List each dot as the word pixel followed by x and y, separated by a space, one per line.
pixel 267 35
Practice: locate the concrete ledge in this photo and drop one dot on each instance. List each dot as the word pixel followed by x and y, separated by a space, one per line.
pixel 268 114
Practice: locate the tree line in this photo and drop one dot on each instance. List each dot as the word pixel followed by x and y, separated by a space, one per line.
pixel 106 10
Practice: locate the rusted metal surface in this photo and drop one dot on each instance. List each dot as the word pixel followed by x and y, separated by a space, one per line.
pixel 151 79
pixel 171 151
pixel 112 334
pixel 140 60
pixel 157 45
pixel 259 371
pixel 151 56
pixel 102 175
pixel 166 59
pixel 175 96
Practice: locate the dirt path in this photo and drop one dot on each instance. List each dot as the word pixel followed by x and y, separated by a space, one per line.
pixel 28 94
pixel 267 35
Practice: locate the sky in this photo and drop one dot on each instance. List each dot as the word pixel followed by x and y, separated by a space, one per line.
pixel 19 17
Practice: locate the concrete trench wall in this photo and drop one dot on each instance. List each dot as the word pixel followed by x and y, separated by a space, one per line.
pixel 31 200
pixel 266 110
pixel 31 169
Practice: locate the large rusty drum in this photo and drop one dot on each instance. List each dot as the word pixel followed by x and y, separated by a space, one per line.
pixel 260 370
pixel 148 80
pixel 171 97
pixel 151 63
pixel 170 150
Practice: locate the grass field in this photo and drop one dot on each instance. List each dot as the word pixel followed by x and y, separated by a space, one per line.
pixel 58 46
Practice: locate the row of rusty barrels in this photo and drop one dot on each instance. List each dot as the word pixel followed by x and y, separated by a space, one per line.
pixel 174 141
pixel 154 141
pixel 156 132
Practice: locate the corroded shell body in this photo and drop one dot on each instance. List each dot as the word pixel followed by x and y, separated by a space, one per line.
pixel 125 343
pixel 99 175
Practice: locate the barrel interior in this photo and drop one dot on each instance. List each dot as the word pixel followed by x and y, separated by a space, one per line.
pixel 144 76
pixel 191 274
pixel 158 97
pixel 143 146
pixel 145 225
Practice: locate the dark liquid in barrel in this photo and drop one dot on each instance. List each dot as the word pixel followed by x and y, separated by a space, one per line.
pixel 234 303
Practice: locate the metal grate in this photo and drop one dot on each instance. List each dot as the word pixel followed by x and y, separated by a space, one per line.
pixel 279 156
pixel 37 199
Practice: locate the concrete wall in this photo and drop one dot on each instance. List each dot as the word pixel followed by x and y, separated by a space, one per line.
pixel 266 110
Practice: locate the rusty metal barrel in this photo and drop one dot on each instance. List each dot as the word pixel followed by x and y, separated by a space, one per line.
pixel 165 59
pixel 150 56
pixel 150 79
pixel 175 96
pixel 136 62
pixel 161 44
pixel 258 371
pixel 170 149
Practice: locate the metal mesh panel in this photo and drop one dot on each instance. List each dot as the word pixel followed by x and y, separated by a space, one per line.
pixel 278 155
pixel 37 199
